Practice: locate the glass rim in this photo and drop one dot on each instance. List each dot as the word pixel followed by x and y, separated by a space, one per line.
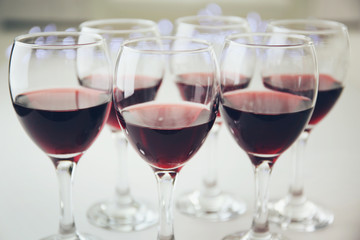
pixel 236 21
pixel 147 25
pixel 207 45
pixel 331 26
pixel 98 40
pixel 306 41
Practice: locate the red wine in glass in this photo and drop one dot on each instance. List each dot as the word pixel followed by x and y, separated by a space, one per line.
pixel 167 135
pixel 60 115
pixel 265 122
pixel 331 43
pixel 328 93
pixel 74 116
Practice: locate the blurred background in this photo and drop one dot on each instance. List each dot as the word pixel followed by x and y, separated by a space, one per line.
pixel 19 16
pixel 15 14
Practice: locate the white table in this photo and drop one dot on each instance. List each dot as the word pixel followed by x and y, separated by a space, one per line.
pixel 29 193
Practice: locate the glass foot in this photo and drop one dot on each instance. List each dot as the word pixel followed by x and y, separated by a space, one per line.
pixel 221 207
pixel 128 217
pixel 76 236
pixel 249 235
pixel 304 217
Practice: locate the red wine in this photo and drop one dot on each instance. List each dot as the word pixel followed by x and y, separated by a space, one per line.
pixel 235 82
pixel 299 84
pixel 328 93
pixel 63 121
pixel 112 119
pixel 167 135
pixel 194 87
pixel 145 89
pixel 265 123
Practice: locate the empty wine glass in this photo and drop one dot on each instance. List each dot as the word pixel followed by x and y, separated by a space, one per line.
pixel 122 212
pixel 166 130
pixel 47 72
pixel 331 42
pixel 264 121
pixel 210 202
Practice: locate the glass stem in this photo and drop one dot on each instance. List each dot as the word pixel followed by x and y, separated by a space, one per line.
pixel 122 185
pixel 210 187
pixel 260 224
pixel 166 182
pixel 296 190
pixel 64 171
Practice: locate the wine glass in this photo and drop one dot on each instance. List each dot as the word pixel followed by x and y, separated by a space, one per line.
pixel 46 75
pixel 166 130
pixel 264 121
pixel 331 42
pixel 210 202
pixel 122 212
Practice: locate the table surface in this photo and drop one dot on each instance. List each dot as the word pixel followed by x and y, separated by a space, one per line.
pixel 29 193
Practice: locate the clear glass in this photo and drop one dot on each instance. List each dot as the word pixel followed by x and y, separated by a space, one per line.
pixel 270 109
pixel 122 212
pixel 61 103
pixel 168 121
pixel 210 202
pixel 331 42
